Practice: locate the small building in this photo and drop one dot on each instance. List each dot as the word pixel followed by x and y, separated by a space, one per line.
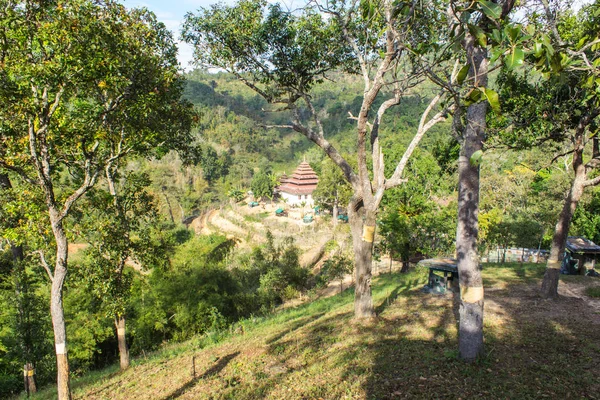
pixel 580 254
pixel 298 188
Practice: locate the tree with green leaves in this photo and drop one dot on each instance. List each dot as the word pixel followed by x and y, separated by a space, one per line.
pixel 332 190
pixel 412 220
pixel 336 268
pixel 478 35
pixel 283 55
pixel 555 100
pixel 569 53
pixel 263 184
pixel 119 224
pixel 85 84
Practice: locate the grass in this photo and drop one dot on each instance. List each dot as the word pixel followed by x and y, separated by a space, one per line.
pixel 593 291
pixel 534 349
pixel 256 217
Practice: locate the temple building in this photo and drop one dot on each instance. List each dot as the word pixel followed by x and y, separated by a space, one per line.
pixel 298 188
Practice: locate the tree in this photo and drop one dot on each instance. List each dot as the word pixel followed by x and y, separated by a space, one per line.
pixel 119 227
pixel 560 106
pixel 574 62
pixel 77 77
pixel 262 185
pixel 332 189
pixel 412 221
pixel 283 55
pixel 476 30
pixel 337 267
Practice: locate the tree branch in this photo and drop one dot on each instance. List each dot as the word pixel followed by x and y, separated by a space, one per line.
pixel 45 264
pixel 327 147
pixel 424 126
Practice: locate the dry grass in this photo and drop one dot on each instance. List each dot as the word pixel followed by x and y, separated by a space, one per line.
pixel 534 349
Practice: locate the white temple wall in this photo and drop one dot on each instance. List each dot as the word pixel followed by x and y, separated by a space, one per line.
pixel 297 200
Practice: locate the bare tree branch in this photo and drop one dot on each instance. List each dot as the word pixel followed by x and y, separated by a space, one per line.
pixel 45 264
pixel 424 126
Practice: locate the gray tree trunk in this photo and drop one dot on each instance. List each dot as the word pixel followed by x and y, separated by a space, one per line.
pixel 470 337
pixel 122 341
pixel 56 307
pixel 29 379
pixel 363 261
pixel 561 231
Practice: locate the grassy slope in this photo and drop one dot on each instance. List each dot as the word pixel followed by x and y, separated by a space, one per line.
pixel 534 348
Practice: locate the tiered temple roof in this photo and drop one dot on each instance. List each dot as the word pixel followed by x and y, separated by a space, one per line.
pixel 303 181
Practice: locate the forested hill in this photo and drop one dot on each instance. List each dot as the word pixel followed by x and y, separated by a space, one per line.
pixel 234 118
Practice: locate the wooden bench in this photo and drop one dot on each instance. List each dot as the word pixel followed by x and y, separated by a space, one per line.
pixel 447 266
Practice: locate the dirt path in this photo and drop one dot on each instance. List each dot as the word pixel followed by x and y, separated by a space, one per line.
pixel 577 291
pixel 315 253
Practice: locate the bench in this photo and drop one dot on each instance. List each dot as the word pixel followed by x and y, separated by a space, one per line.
pixel 447 266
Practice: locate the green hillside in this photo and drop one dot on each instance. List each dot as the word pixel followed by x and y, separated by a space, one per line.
pixel 535 349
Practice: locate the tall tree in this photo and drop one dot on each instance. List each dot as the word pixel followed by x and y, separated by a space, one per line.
pixel 575 59
pixel 477 30
pixel 71 71
pixel 562 106
pixel 332 190
pixel 283 55
pixel 119 227
pixel 24 298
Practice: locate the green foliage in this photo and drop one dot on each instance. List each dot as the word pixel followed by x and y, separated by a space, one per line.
pixel 414 219
pixel 262 185
pixel 25 327
pixel 278 267
pixel 333 189
pixel 586 220
pixel 270 44
pixel 199 294
pixel 236 194
pixel 335 268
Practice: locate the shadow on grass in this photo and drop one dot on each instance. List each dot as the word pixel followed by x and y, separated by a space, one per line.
pixel 534 348
pixel 402 288
pixel 294 326
pixel 215 369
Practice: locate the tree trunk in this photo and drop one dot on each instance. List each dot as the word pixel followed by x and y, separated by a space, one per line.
pixel 29 379
pixel 335 214
pixel 122 341
pixel 561 231
pixel 169 206
pixel 56 308
pixel 470 337
pixel 405 258
pixel 405 266
pixel 362 240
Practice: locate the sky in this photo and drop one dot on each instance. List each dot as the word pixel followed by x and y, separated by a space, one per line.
pixel 171 13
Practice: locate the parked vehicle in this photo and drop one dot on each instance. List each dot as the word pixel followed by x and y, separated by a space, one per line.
pixel 342 218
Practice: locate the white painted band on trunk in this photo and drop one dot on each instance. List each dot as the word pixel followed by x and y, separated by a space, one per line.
pixel 368 233
pixel 553 264
pixel 120 331
pixel 463 159
pixel 470 294
pixel 61 348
